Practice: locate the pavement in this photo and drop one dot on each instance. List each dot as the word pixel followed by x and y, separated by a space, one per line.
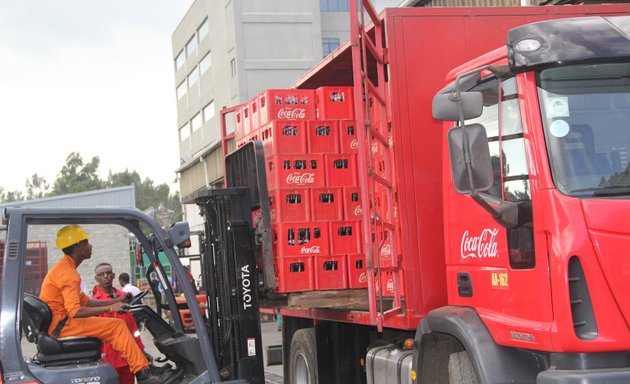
pixel 270 336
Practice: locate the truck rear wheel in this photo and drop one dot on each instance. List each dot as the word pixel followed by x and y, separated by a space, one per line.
pixel 303 358
pixel 460 369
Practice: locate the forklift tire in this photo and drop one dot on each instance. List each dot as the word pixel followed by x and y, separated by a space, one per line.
pixel 303 358
pixel 460 369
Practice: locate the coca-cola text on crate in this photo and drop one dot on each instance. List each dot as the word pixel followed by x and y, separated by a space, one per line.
pixel 352 209
pixel 357 272
pixel 300 238
pixel 286 104
pixel 348 141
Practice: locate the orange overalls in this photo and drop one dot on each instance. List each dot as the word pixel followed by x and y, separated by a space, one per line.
pixel 61 291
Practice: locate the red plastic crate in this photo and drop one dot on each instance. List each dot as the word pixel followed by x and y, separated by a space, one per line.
pixel 387 282
pixel 286 104
pixel 345 237
pixel 239 130
pixel 381 206
pixel 295 171
pixel 341 170
pixel 335 103
pixel 352 209
pixel 375 118
pixel 294 274
pixel 300 239
pixel 254 114
pixel 247 121
pixel 330 272
pixel 289 205
pixel 348 141
pixel 284 137
pixel 357 273
pixel 323 136
pixel 326 204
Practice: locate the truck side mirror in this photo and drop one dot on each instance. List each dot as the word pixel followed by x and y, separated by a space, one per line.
pixel 446 105
pixel 481 178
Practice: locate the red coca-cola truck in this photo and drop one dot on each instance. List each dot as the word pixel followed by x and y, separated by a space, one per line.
pixel 470 223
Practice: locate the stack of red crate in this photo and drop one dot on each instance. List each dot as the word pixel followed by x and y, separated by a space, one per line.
pixel 310 144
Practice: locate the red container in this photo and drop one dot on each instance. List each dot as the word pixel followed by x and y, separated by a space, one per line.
pixel 348 141
pixel 247 120
pixel 382 208
pixel 352 209
pixel 335 103
pixel 284 137
pixel 295 171
pixel 387 282
pixel 385 253
pixel 254 114
pixel 286 104
pixel 330 272
pixel 345 237
pixel 326 204
pixel 323 136
pixel 239 130
pixel 300 239
pixel 289 205
pixel 357 273
pixel 294 274
pixel 341 170
pixel 375 115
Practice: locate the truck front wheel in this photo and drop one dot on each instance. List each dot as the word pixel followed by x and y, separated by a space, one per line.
pixel 460 369
pixel 303 358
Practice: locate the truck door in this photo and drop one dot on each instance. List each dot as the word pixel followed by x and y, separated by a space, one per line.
pixel 501 272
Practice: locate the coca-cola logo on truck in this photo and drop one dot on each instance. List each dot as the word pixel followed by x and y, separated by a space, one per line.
pixel 295 113
pixel 301 178
pixel 312 250
pixel 483 246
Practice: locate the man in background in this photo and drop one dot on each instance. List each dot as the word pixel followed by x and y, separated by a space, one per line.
pixel 123 279
pixel 105 290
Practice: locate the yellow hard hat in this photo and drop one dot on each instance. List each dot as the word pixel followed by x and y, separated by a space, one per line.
pixel 70 235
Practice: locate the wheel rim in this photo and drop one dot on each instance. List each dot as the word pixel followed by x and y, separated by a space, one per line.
pixel 302 370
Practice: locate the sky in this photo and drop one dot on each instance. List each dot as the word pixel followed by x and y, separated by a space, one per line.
pixel 88 76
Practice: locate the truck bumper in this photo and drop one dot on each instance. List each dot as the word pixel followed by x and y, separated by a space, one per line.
pixel 585 376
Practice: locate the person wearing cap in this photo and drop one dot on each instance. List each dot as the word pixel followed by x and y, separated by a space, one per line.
pixel 75 314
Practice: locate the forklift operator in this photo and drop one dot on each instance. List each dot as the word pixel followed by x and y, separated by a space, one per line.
pixel 75 314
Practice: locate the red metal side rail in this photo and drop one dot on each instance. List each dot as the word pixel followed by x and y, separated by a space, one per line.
pixel 366 50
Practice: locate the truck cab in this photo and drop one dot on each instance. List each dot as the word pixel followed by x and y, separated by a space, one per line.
pixel 540 164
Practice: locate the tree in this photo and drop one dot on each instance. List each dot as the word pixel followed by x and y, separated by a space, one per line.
pixel 77 177
pixel 36 187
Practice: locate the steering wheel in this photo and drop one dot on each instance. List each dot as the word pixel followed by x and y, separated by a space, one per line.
pixel 137 298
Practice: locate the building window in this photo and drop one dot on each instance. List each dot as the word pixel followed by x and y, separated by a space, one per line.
pixel 208 111
pixel 233 67
pixel 191 46
pixel 179 60
pixel 333 5
pixel 205 63
pixel 196 122
pixel 184 132
pixel 193 77
pixel 328 45
pixel 181 90
pixel 203 30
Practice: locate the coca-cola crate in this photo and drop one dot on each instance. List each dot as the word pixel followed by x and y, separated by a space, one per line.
pixel 348 141
pixel 352 209
pixel 295 171
pixel 239 129
pixel 375 118
pixel 323 136
pixel 294 274
pixel 254 114
pixel 286 104
pixel 345 237
pixel 357 273
pixel 382 209
pixel 300 239
pixel 335 103
pixel 326 204
pixel 341 170
pixel 385 254
pixel 330 272
pixel 289 205
pixel 247 120
pixel 284 137
pixel 387 282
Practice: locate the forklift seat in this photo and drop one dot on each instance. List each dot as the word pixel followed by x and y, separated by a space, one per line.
pixel 55 351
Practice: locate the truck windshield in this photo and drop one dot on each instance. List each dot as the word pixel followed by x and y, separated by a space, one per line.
pixel 586 116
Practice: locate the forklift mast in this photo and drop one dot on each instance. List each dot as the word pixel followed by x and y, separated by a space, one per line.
pixel 231 269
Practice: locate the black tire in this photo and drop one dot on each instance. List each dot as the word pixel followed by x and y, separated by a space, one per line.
pixel 460 369
pixel 303 358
